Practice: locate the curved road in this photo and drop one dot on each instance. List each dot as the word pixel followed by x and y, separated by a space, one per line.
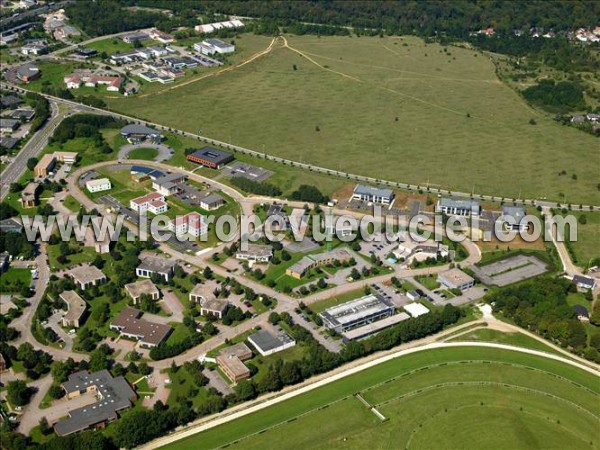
pixel 164 151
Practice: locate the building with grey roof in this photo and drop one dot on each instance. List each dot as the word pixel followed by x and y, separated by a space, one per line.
pixel 268 343
pixel 28 72
pixel 584 282
pixel 375 327
pixel 255 252
pixel 357 313
pixel 154 264
pixel 130 324
pixel 455 279
pixel 9 125
pixel 372 194
pixel 11 225
pixel 455 207
pixel 142 287
pixel 137 133
pixel 212 202
pixel 113 395
pixel 10 101
pixel 87 276
pixel 76 307
pixel 8 142
pixel 168 184
pixel 515 215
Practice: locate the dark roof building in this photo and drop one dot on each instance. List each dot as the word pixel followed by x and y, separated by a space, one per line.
pixel 211 157
pixel 86 52
pixel 11 225
pixel 26 114
pixel 10 101
pixel 584 282
pixel 137 132
pixel 8 142
pixel 130 324
pixel 581 311
pixel 114 395
pixel 28 72
pixel 268 343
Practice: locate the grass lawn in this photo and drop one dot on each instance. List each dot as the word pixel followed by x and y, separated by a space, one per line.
pixel 587 246
pixel 82 255
pixel 429 281
pixel 517 339
pixel 503 403
pixel 182 387
pixel 180 333
pixel 336 300
pixel 72 204
pixel 110 46
pixel 147 154
pixel 13 278
pixel 399 97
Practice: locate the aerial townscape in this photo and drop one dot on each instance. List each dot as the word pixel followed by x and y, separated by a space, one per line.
pixel 422 267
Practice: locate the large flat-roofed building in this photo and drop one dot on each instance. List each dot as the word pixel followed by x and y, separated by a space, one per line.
pixel 455 279
pixel 454 207
pixel 9 125
pixel 516 214
pixel 44 165
pixel 76 307
pixel 154 264
pixel 212 46
pixel 138 133
pixel 210 157
pixel 142 287
pixel 375 327
pixel 356 313
pixel 372 194
pixel 256 253
pixel 86 276
pixel 98 185
pixel 231 361
pixel 113 395
pixel 135 37
pixel 28 195
pixel 214 306
pixel 309 262
pixel 130 324
pixel 268 343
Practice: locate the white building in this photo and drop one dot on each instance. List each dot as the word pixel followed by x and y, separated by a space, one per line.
pixel 192 223
pixel 212 46
pixel 372 194
pixel 153 202
pixel 416 309
pixel 453 207
pixel 267 343
pixel 256 253
pixel 98 185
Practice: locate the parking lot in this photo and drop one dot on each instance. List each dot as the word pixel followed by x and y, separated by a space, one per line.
pixel 240 169
pixel 510 270
pixel 91 175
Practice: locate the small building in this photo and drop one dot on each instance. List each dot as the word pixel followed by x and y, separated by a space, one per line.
pixel 10 101
pixel 214 306
pixel 28 72
pixel 161 36
pixel 76 308
pixel 584 282
pixel 154 264
pixel 231 361
pixel 582 312
pixel 357 312
pixel 168 184
pixel 23 114
pixel 516 215
pixel 212 202
pixel 29 195
pixel 142 287
pixel 8 142
pixel 413 295
pixel 267 343
pixel 98 185
pixel 11 225
pixel 256 253
pixel 278 218
pixel 66 157
pixel 454 207
pixel 113 394
pixel 130 324
pixel 192 223
pixel 299 269
pixel 45 165
pixel 455 279
pixel 210 157
pixel 37 47
pixel 212 46
pixel 86 276
pixel 153 202
pixel 416 309
pixel 372 194
pixel 135 133
pixel 86 52
pixel 9 125
pixel 135 37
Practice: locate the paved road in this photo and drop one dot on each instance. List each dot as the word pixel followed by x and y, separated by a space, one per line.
pixel 32 148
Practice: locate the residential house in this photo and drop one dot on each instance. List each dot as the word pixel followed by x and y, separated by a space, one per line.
pixel 211 202
pixel 86 276
pixel 154 264
pixel 153 202
pixel 142 287
pixel 192 223
pixel 76 308
pixel 98 185
pixel 372 194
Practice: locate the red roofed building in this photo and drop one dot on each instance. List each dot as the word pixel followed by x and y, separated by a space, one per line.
pixel 192 223
pixel 153 202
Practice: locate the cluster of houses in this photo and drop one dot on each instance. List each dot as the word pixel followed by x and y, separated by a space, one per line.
pixel 13 116
pixel 35 47
pixel 587 35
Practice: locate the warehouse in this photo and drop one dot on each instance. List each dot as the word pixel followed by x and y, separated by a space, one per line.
pixel 268 343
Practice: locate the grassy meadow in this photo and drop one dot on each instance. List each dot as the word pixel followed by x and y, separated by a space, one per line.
pixel 443 398
pixel 393 108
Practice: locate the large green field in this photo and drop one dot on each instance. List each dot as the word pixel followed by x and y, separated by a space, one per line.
pixel 445 399
pixel 393 108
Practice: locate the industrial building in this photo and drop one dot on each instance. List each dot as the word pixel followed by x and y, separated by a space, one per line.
pixel 356 313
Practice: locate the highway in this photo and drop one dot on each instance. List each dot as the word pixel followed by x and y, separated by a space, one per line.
pixel 31 149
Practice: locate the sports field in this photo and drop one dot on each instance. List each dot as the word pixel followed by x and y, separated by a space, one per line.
pixel 445 399
pixel 393 108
